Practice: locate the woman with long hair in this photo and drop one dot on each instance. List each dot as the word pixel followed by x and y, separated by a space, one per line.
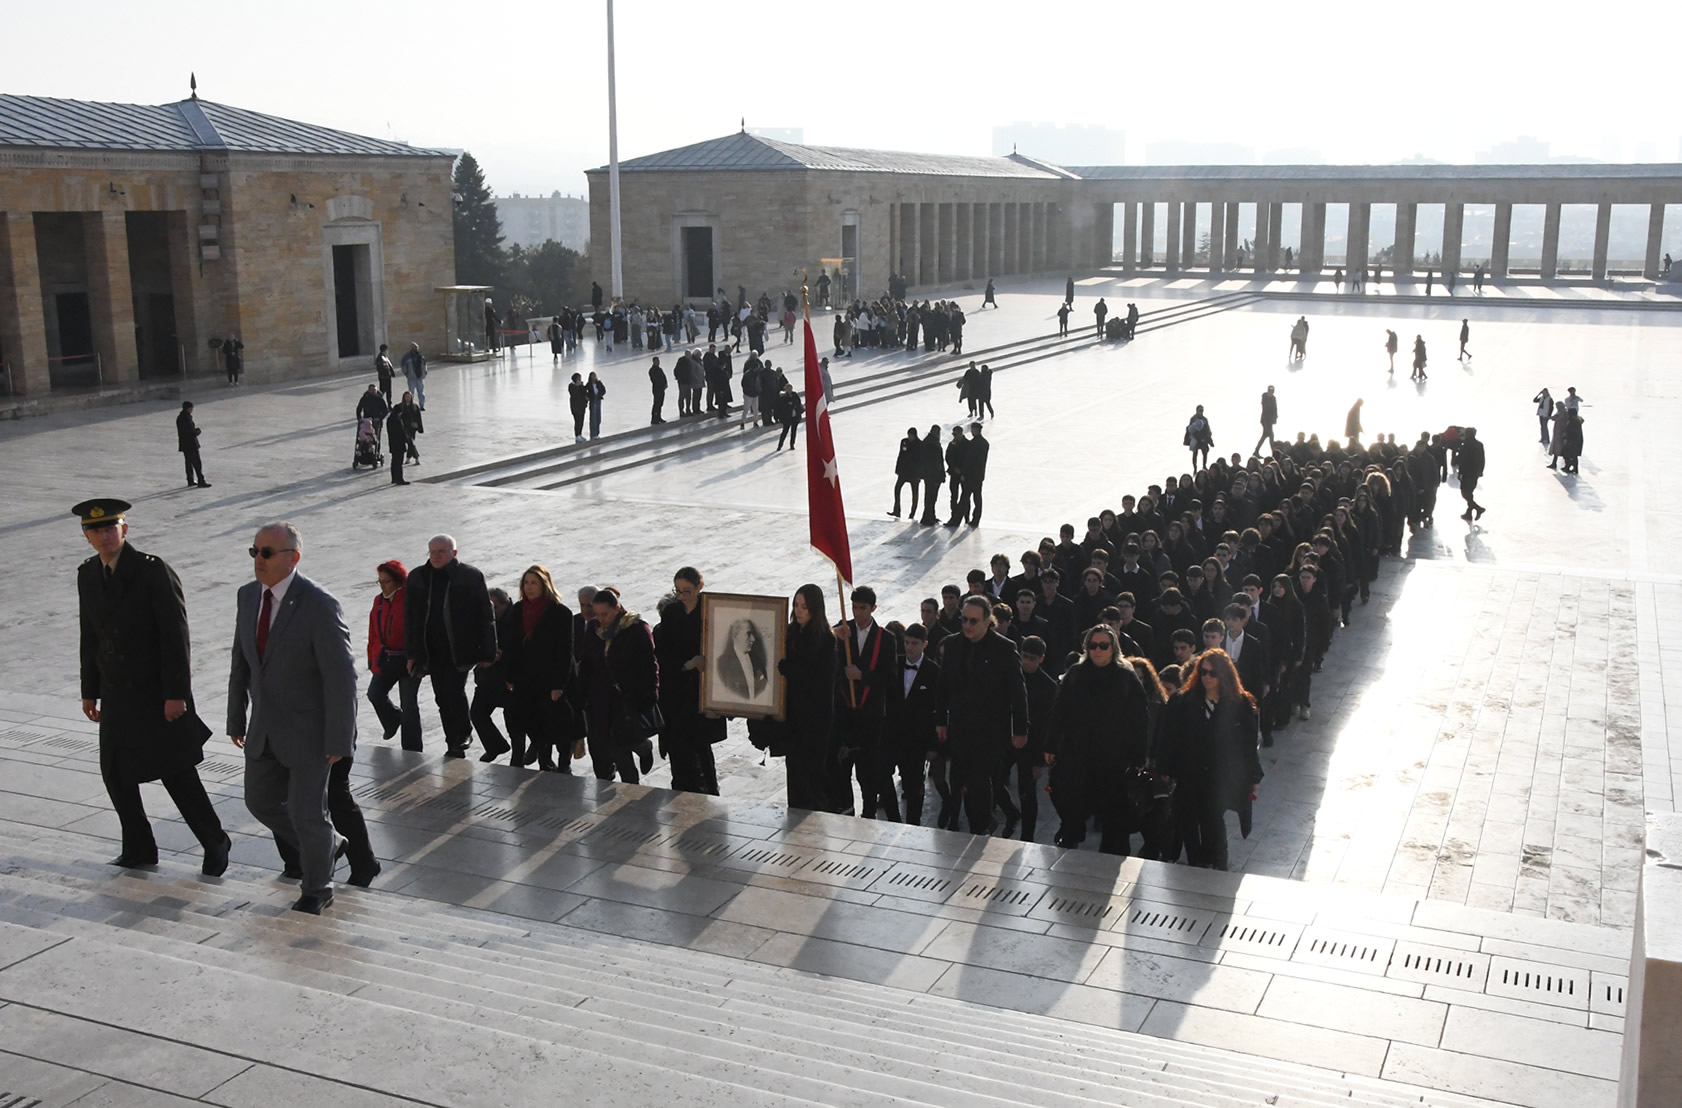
pixel 1288 637
pixel 1209 751
pixel 624 686
pixel 538 656
pixel 1100 730
pixel 808 664
pixel 689 735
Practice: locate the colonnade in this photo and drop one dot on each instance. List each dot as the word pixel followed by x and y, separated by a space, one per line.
pixel 1266 254
pixel 945 242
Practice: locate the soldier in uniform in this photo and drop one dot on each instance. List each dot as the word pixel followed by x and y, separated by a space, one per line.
pixel 137 685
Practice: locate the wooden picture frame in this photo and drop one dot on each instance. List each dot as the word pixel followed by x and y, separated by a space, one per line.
pixel 742 639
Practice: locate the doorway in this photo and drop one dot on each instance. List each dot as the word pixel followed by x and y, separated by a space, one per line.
pixel 850 258
pixel 698 263
pixel 350 269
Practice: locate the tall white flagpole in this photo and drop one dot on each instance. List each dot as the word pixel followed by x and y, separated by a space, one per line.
pixel 613 165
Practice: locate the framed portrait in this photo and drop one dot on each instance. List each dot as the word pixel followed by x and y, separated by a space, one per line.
pixel 741 642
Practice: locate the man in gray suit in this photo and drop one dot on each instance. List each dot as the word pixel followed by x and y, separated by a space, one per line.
pixel 292 663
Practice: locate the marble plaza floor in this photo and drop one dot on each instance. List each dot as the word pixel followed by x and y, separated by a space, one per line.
pixel 1484 742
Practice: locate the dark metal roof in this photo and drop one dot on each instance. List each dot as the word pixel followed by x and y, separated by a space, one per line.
pixel 1549 172
pixel 742 151
pixel 195 125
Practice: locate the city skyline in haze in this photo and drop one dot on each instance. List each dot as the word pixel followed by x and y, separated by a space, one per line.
pixel 531 104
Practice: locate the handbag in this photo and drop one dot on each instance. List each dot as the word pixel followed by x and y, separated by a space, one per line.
pixel 638 724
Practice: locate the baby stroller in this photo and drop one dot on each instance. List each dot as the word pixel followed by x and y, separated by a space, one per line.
pixel 367 446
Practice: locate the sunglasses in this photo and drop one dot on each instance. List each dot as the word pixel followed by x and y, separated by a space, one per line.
pixel 1101 646
pixel 266 552
pixel 1206 672
pixel 973 620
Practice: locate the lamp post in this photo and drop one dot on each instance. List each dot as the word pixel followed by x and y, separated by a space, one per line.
pixel 613 166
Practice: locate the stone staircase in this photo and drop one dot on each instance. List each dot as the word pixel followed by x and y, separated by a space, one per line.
pixel 161 987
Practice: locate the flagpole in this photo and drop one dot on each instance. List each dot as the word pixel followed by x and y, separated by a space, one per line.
pixel 618 279
pixel 840 585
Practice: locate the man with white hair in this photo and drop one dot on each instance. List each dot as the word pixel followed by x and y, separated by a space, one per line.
pixel 448 628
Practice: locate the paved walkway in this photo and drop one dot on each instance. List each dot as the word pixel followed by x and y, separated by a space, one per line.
pixel 1475 739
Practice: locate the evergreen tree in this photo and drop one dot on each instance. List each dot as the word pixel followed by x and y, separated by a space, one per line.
pixel 547 277
pixel 479 254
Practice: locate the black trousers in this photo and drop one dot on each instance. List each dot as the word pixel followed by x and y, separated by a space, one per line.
pixel 913 768
pixel 900 483
pixel 407 718
pixel 791 431
pixel 578 421
pixel 955 497
pixel 396 465
pixel 347 819
pixel 975 774
pixel 930 488
pixel 969 504
pixel 482 714
pixel 610 755
pixel 185 788
pixel 654 415
pixel 1203 829
pixel 449 689
pixel 804 764
pixel 1079 793
pixel 693 767
pixel 194 465
pixel 1027 806
pixel 532 716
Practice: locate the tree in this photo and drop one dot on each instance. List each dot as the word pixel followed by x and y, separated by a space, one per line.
pixel 547 277
pixel 480 258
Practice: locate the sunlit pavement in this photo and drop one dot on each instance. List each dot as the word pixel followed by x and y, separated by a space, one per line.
pixel 1489 731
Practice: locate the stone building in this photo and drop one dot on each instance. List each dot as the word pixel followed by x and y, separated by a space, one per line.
pixel 535 220
pixel 746 210
pixel 133 235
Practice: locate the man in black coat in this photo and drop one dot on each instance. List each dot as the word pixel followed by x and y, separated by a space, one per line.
pixel 1029 761
pixel 448 628
pixel 187 441
pixel 397 441
pixel 1247 651
pixel 1269 416
pixel 908 466
pixel 136 678
pixel 373 407
pixel 1470 459
pixel 869 669
pixel 957 462
pixel 1058 611
pixel 909 727
pixel 931 470
pixel 657 384
pixel 981 707
pixel 705 379
pixel 975 472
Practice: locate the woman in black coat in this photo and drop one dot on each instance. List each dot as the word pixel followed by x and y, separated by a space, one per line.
pixel 808 664
pixel 688 737
pixel 1100 730
pixel 1317 632
pixel 623 686
pixel 1208 749
pixel 1287 644
pixel 413 423
pixel 579 399
pixel 538 657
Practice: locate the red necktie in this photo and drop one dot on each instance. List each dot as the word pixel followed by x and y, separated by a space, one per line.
pixel 263 623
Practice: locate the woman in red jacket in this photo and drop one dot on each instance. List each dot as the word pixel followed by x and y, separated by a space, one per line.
pixel 387 662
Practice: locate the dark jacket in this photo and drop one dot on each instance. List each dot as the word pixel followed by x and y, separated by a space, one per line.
pixel 135 656
pixel 1102 724
pixel 1212 759
pixel 372 406
pixel 931 462
pixel 625 676
pixel 910 458
pixel 677 638
pixel 1042 689
pixel 809 667
pixel 396 431
pixel 975 460
pixel 543 660
pixel 982 699
pixel 911 712
pixel 878 663
pixel 1469 457
pixel 469 627
pixel 186 433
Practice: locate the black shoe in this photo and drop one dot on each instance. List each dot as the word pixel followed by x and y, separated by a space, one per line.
pixel 216 858
pixel 1011 823
pixel 362 878
pixel 1267 740
pixel 135 861
pixel 951 523
pixel 455 752
pixel 490 756
pixel 203 484
pixel 390 731
pixel 402 482
pixel 292 873
pixel 314 905
pixel 339 852
pixel 1479 513
pixel 645 756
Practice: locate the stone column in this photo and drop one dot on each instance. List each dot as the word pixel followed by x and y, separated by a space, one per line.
pixel 1655 242
pixel 1031 213
pixel 1355 256
pixel 911 260
pixel 111 294
pixel 1258 247
pixel 1024 237
pixel 1454 225
pixel 983 241
pixel 1275 234
pixel 1130 236
pixel 23 318
pixel 1602 237
pixel 1314 236
pixel 1501 242
pixel 1230 259
pixel 1147 232
pixel 948 243
pixel 963 227
pixel 1217 237
pixel 995 239
pixel 182 269
pixel 1401 257
pixel 1172 261
pixel 1188 236
pixel 1550 242
pixel 1013 238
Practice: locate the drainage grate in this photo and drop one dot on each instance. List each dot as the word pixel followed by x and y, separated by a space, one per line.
pixel 1163 921
pixel 502 814
pixel 9 1099
pixel 1436 965
pixel 998 898
pixel 1607 997
pixel 1342 950
pixel 918 883
pixel 706 845
pixel 445 804
pixel 931 886
pixel 1078 908
pixel 569 825
pixel 66 742
pixel 16 736
pixel 636 836
pixel 219 767
pixel 1544 982
pixel 766 857
pixel 1253 936
pixel 376 791
pixel 840 871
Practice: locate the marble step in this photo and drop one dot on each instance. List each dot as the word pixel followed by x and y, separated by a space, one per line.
pixel 407 1053
pixel 965 1017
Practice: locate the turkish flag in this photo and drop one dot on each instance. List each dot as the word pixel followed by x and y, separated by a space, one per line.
pixel 823 480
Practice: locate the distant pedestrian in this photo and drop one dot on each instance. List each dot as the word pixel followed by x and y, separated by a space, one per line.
pixel 1199 438
pixel 187 442
pixel 1465 337
pixel 1430 275
pixel 1544 402
pixel 789 413
pixel 1469 458
pixel 385 371
pixel 596 295
pixel 595 390
pixel 985 400
pixel 1269 416
pixel 1572 401
pixel 1418 373
pixel 1352 424
pixel 907 466
pixel 657 383
pixel 1390 347
pixel 987 296
pixel 233 355
pixel 414 373
pixel 557 340
pixel 1069 291
pixel 579 400
pixel 1062 320
pixel 397 442
pixel 1099 311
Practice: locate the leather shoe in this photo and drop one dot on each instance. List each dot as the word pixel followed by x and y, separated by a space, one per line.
pixel 204 484
pixel 455 752
pixel 313 904
pixel 362 878
pixel 216 858
pixel 292 873
pixel 645 756
pixel 339 851
pixel 135 861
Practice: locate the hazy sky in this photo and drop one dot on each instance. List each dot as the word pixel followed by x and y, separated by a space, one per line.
pixel 523 84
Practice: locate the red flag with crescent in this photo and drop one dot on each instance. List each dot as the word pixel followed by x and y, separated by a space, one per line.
pixel 823 480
